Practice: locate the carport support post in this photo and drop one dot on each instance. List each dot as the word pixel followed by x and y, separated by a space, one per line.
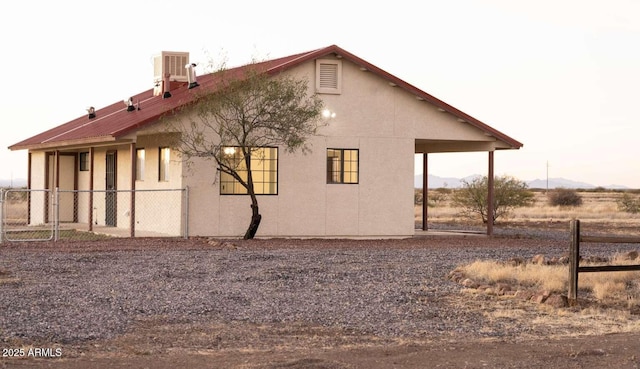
pixel 490 196
pixel 425 191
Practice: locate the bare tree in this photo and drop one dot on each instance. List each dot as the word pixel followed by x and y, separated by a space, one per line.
pixel 242 116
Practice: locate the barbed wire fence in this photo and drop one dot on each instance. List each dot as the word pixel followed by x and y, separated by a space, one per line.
pixel 45 215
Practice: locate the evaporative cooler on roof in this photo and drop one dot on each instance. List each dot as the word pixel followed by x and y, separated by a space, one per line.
pixel 170 62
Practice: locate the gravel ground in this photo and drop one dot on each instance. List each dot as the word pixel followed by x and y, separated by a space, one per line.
pixel 70 292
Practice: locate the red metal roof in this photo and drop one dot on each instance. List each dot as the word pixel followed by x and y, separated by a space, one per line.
pixel 114 121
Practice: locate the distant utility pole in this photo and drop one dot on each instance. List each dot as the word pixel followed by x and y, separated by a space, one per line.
pixel 547 177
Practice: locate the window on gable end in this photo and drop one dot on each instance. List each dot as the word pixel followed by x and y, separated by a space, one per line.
pixel 328 76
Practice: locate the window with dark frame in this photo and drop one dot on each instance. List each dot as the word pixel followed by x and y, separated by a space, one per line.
pixel 342 166
pixel 84 161
pixel 264 171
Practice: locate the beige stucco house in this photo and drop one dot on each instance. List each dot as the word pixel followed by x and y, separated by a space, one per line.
pixel 356 182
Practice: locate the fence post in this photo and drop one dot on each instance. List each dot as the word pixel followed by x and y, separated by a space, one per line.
pixel 574 259
pixel 56 214
pixel 132 212
pixel 186 212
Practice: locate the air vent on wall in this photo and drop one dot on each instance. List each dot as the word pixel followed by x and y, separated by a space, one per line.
pixel 329 76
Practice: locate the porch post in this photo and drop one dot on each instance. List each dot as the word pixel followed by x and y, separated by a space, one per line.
pixel 56 170
pixel 490 196
pixel 56 187
pixel 91 189
pixel 132 210
pixel 425 191
pixel 29 168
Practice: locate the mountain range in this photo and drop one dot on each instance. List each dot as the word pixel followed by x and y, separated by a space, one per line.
pixel 13 183
pixel 450 182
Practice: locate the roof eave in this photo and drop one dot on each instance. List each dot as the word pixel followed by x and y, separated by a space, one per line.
pixel 66 144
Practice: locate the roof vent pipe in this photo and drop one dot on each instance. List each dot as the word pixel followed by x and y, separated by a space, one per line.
pixel 166 86
pixel 129 104
pixel 191 75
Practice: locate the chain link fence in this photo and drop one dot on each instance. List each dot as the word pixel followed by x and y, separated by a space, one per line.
pixel 42 215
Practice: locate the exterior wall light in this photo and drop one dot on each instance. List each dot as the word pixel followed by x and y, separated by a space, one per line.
pixel 328 114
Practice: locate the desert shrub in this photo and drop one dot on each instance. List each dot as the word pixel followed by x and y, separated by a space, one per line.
pixel 435 197
pixel 16 196
pixel 629 204
pixel 417 196
pixel 564 197
pixel 509 193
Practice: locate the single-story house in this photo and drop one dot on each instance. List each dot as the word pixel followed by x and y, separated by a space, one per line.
pixel 358 180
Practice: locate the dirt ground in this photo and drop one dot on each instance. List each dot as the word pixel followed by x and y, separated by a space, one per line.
pixel 284 348
pixel 158 344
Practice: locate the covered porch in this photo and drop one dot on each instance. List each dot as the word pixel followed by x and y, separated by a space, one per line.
pixel 424 147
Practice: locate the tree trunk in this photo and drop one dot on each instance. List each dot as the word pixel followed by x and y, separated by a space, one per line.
pixel 255 213
pixel 255 219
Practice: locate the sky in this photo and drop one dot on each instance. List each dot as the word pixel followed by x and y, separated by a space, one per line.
pixel 560 76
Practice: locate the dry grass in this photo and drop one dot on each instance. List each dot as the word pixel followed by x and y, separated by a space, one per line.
pixel 612 298
pixel 611 288
pixel 552 278
pixel 591 320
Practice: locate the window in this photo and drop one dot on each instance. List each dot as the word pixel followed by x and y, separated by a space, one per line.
pixel 329 76
pixel 139 164
pixel 342 166
pixel 84 161
pixel 264 171
pixel 163 170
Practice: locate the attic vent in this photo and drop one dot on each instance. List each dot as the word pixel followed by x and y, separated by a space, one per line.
pixel 329 76
pixel 170 62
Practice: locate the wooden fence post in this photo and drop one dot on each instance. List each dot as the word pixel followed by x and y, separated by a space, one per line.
pixel 574 256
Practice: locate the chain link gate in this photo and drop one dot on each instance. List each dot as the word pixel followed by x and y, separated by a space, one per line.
pixel 22 220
